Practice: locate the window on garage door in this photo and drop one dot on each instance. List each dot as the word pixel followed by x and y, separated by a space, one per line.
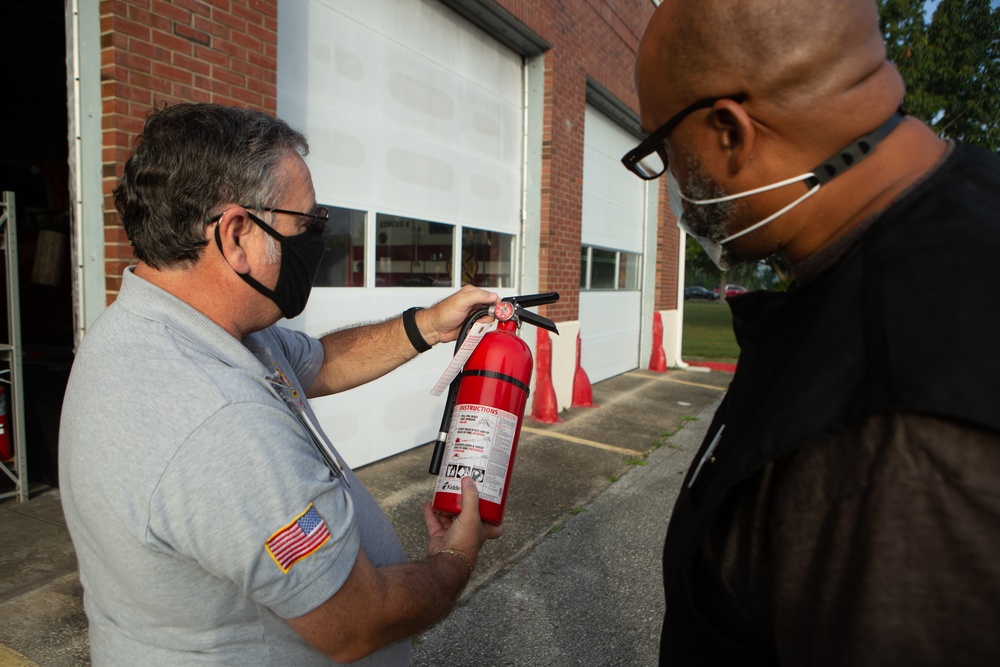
pixel 603 269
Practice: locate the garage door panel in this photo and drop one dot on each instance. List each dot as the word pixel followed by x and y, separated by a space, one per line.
pixel 426 28
pixel 613 219
pixel 413 117
pixel 349 64
pixel 609 180
pixel 446 182
pixel 411 111
pixel 604 221
pixel 609 333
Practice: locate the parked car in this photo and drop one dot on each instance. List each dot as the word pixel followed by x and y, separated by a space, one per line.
pixel 732 290
pixel 699 292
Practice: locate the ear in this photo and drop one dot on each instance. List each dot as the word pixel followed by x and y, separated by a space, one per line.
pixel 736 133
pixel 234 230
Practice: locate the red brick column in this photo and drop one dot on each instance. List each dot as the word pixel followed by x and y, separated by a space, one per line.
pixel 667 249
pixel 596 40
pixel 156 52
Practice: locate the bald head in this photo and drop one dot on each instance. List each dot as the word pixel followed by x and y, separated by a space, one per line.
pixel 788 57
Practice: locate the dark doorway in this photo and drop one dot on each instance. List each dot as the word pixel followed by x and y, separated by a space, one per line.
pixel 33 164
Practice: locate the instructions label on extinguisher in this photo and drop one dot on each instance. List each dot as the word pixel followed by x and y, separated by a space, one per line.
pixel 478 446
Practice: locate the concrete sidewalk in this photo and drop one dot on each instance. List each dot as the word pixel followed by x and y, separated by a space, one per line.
pixel 574 580
pixel 590 592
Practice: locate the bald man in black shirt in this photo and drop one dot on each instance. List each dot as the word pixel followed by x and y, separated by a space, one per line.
pixel 843 509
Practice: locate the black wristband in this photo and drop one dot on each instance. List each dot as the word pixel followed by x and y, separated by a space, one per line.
pixel 412 331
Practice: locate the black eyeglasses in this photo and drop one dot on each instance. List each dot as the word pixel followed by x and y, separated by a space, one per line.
pixel 648 160
pixel 317 220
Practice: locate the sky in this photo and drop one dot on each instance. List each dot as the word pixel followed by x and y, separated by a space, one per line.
pixel 931 4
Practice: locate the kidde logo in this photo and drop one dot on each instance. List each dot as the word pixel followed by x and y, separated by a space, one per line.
pixel 451 486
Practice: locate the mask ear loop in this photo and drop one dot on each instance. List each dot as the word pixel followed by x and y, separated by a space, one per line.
pixel 247 278
pixel 857 151
pixel 824 173
pixel 756 191
pixel 774 215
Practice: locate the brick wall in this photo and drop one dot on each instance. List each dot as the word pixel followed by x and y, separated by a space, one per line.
pixel 667 259
pixel 596 39
pixel 156 52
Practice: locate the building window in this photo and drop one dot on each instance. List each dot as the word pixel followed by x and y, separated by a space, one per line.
pixel 629 268
pixel 343 262
pixel 412 253
pixel 603 269
pixel 487 258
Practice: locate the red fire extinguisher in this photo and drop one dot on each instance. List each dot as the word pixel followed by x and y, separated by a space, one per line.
pixel 6 453
pixel 482 417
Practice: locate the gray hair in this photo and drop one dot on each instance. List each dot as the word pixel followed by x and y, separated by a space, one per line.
pixel 190 160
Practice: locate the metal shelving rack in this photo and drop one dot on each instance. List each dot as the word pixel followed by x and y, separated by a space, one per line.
pixel 11 354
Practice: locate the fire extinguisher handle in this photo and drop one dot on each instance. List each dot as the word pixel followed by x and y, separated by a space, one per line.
pixel 537 320
pixel 530 300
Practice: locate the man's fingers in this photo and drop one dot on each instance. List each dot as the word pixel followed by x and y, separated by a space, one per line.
pixel 470 499
pixel 470 510
pixel 430 519
pixel 435 522
pixel 446 316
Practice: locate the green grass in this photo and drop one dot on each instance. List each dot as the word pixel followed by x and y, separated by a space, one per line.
pixel 708 332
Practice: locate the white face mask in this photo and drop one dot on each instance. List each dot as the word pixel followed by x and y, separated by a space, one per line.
pixel 824 173
pixel 714 248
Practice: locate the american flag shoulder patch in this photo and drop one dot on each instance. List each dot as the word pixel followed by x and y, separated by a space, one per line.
pixel 301 538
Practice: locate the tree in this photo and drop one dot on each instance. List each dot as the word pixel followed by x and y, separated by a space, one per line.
pixel 905 31
pixel 964 70
pixel 700 270
pixel 951 66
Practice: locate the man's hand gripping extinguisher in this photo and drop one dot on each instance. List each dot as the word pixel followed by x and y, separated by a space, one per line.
pixel 482 417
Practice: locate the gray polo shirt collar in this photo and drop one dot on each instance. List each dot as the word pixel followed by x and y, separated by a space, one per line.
pixel 144 299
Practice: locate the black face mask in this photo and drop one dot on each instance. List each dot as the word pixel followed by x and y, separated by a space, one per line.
pixel 300 258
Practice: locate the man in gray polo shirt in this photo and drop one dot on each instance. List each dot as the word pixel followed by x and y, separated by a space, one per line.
pixel 213 521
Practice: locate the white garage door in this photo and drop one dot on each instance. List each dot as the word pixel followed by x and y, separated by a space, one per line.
pixel 612 239
pixel 414 119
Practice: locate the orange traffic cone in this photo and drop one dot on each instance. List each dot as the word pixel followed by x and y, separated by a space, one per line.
pixel 583 395
pixel 658 360
pixel 543 405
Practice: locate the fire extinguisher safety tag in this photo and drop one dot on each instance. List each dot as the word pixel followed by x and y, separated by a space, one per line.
pixel 479 446
pixel 476 334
